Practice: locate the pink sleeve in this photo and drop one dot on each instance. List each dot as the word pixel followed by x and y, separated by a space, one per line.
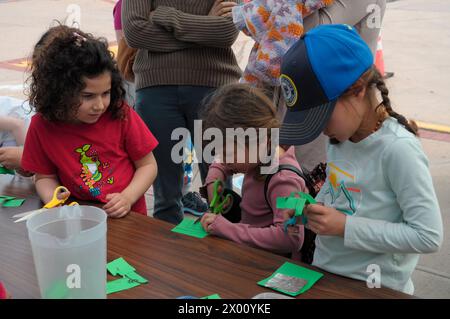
pixel 117 13
pixel 271 238
pixel 3 293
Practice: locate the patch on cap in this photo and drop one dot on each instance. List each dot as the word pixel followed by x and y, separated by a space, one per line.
pixel 289 90
pixel 349 26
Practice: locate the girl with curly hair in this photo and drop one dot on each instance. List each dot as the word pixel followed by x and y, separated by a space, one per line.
pixel 84 136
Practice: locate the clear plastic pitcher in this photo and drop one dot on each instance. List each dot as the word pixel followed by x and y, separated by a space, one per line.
pixel 69 251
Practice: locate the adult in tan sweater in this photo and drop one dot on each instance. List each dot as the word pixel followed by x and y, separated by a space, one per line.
pixel 184 53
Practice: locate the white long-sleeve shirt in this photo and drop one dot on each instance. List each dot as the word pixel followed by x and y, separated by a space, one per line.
pixel 384 186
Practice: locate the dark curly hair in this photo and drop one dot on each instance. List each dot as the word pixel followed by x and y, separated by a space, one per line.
pixel 60 60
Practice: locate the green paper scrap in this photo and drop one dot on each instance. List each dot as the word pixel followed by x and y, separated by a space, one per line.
pixel 296 203
pixel 4 170
pixel 58 290
pixel 136 277
pixel 292 203
pixel 215 296
pixel 119 267
pixel 6 197
pixel 130 278
pixel 293 270
pixel 190 228
pixel 13 202
pixel 119 285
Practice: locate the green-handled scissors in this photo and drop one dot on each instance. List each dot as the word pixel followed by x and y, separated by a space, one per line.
pixel 220 204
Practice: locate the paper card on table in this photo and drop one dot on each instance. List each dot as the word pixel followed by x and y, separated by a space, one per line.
pixel 6 197
pixel 190 228
pixel 215 296
pixel 119 285
pixel 4 170
pixel 13 202
pixel 292 270
pixel 135 276
pixel 119 266
pixel 286 283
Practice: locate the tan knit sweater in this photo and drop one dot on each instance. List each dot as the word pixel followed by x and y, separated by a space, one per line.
pixel 179 44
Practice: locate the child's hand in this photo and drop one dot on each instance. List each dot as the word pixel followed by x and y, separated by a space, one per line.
pixel 207 220
pixel 210 190
pixel 117 206
pixel 10 156
pixel 325 220
pixel 63 195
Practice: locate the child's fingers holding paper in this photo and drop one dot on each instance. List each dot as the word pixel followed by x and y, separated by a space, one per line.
pixel 288 214
pixel 207 220
pixel 314 210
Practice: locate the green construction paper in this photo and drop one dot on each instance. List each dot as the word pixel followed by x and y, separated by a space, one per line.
pixel 190 228
pixel 58 290
pixel 13 202
pixel 292 203
pixel 215 296
pixel 6 197
pixel 119 285
pixel 309 198
pixel 119 267
pixel 4 170
pixel 294 270
pixel 296 203
pixel 137 277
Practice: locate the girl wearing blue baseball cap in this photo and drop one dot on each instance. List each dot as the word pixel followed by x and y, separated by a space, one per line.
pixel 378 209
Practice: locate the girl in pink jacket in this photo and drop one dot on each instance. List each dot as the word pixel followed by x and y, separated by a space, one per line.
pixel 240 106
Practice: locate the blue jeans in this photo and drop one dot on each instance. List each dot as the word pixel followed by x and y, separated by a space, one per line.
pixel 163 109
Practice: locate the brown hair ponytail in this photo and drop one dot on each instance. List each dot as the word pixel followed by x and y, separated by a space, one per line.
pixel 373 78
pixel 379 82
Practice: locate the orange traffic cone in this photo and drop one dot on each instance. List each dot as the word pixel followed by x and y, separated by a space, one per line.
pixel 379 60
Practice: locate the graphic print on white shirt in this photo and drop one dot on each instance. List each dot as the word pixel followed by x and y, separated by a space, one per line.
pixel 341 187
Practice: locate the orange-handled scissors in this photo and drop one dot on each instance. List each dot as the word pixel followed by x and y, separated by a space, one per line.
pixel 53 203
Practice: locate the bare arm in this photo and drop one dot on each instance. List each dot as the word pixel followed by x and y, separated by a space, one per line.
pixel 45 186
pixel 15 126
pixel 146 171
pixel 119 204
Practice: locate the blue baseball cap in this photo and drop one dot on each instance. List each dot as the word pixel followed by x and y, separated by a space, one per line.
pixel 315 72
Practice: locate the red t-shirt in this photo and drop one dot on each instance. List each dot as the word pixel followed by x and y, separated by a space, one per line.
pixel 91 160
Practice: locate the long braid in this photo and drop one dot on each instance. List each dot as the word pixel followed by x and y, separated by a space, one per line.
pixel 381 86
